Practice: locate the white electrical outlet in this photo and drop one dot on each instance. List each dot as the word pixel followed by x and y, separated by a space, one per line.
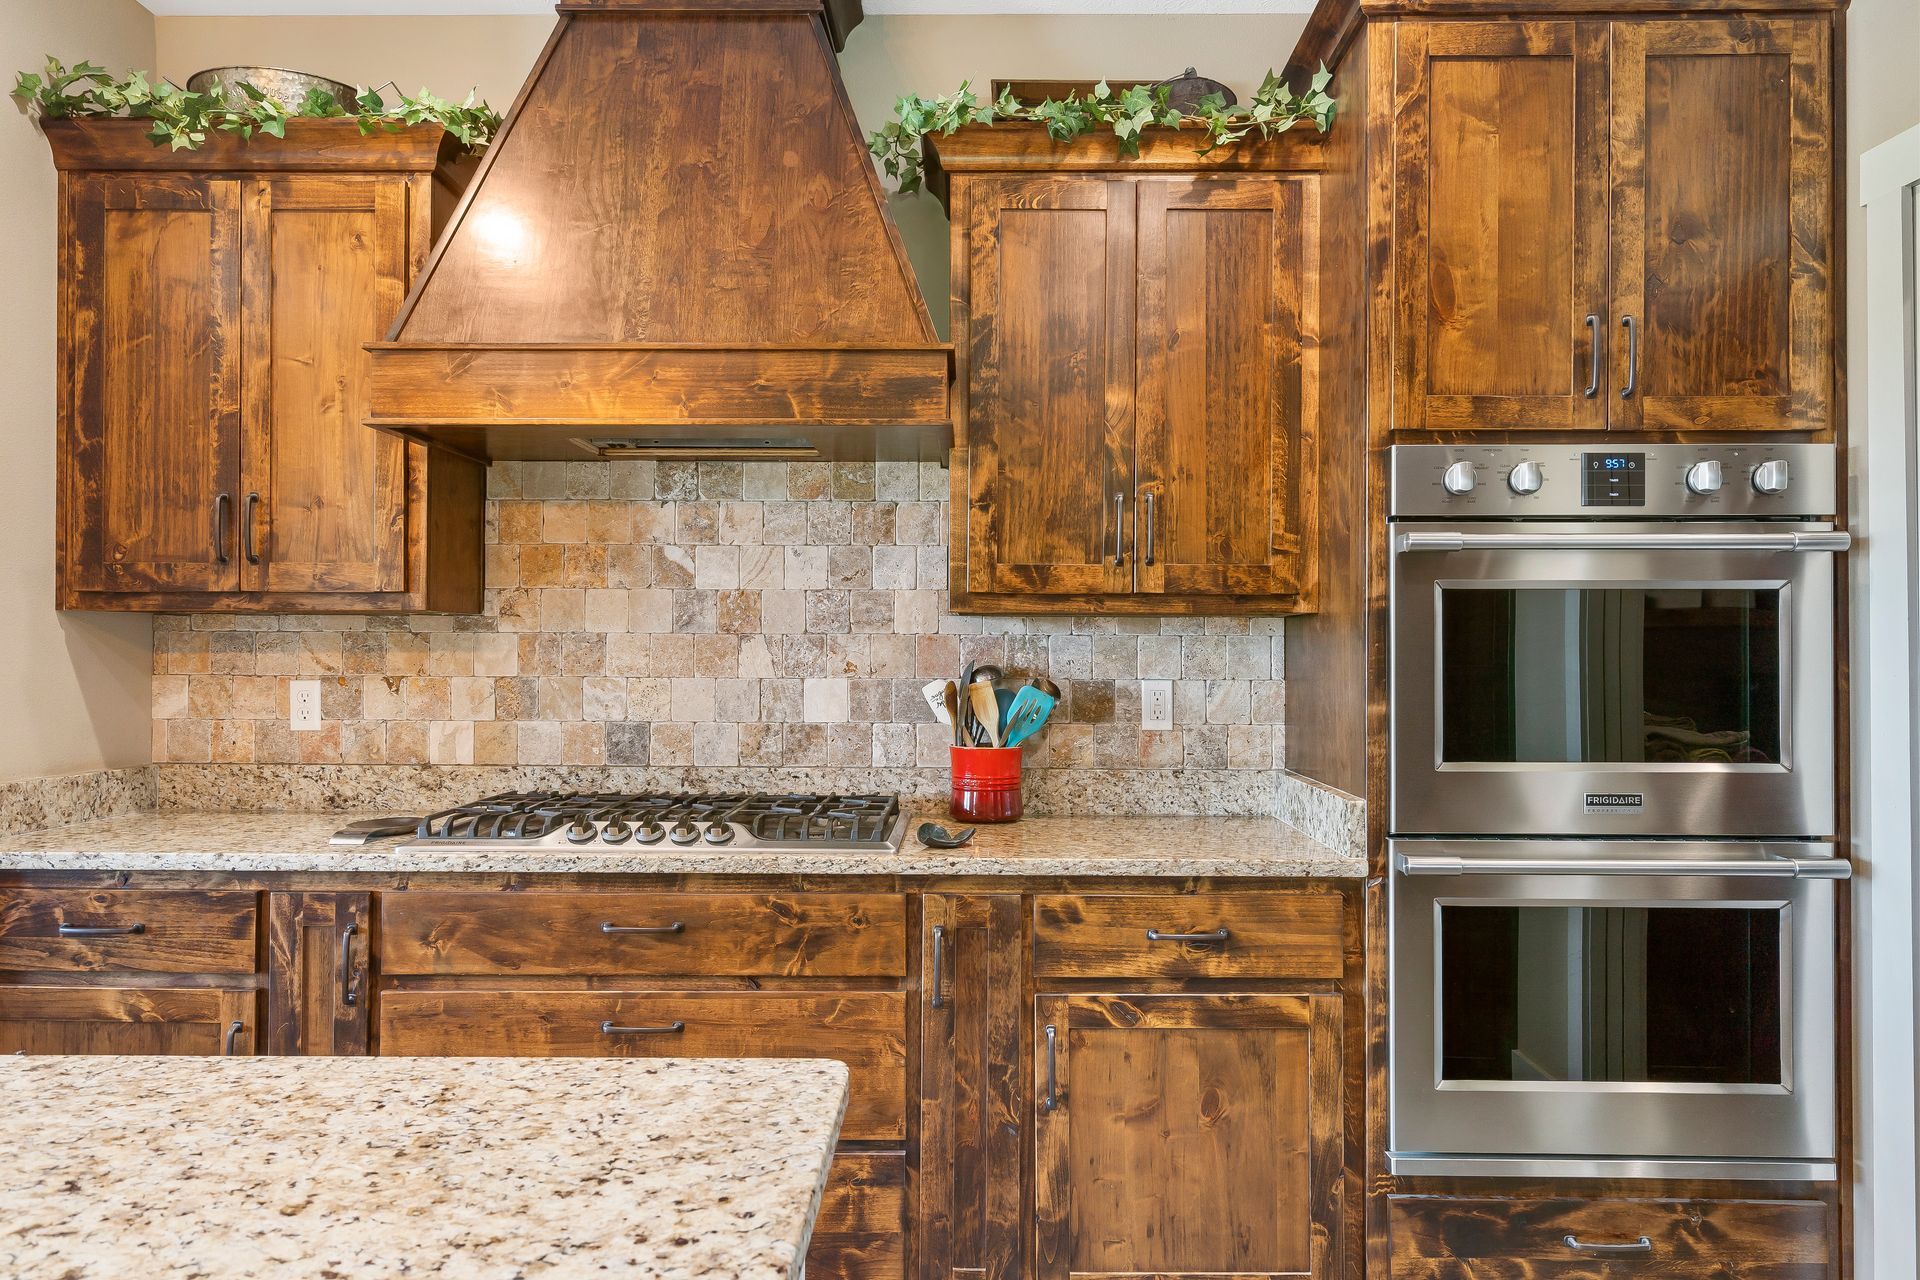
pixel 1156 704
pixel 303 700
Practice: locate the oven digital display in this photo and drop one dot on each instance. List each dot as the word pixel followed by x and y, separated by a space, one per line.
pixel 1613 479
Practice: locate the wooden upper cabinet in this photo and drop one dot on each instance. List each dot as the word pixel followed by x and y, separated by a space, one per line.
pixel 153 443
pixel 1722 223
pixel 1622 224
pixel 1187 1135
pixel 1225 471
pixel 1049 392
pixel 1138 362
pixel 1500 225
pixel 215 306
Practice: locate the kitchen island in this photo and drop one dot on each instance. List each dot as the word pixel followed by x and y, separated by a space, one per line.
pixel 156 1166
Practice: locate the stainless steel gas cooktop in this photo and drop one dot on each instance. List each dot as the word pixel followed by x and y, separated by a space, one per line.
pixel 562 820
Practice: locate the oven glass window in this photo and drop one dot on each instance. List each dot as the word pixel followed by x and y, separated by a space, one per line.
pixel 1679 995
pixel 1562 676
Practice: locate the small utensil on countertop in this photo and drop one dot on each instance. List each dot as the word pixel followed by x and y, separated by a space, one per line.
pixel 984 710
pixel 1030 710
pixel 935 836
pixel 370 829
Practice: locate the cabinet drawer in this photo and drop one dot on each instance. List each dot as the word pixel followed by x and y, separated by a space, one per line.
pixel 152 931
pixel 1455 1238
pixel 1268 935
pixel 866 1030
pixel 818 935
pixel 860 1233
pixel 129 1020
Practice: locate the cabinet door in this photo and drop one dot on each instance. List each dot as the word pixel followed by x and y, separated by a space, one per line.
pixel 1499 239
pixel 1049 428
pixel 193 1020
pixel 325 498
pixel 153 349
pixel 1187 1135
pixel 1722 223
pixel 969 1221
pixel 317 981
pixel 1225 493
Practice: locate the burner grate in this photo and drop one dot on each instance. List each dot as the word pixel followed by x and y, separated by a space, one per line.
pixel 784 819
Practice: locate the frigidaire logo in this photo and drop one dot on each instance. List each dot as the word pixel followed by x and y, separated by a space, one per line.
pixel 1615 801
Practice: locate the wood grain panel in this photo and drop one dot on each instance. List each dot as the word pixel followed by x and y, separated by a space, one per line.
pixel 866 1030
pixel 311 145
pixel 96 1020
pixel 154 350
pixel 722 935
pixel 860 1232
pixel 1460 1238
pixel 1190 1136
pixel 1722 253
pixel 1270 935
pixel 319 993
pixel 1228 366
pixel 1500 252
pixel 1049 431
pixel 181 931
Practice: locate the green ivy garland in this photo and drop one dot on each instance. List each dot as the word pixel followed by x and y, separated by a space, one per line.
pixel 182 120
pixel 1274 109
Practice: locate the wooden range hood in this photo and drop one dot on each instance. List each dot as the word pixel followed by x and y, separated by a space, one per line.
pixel 677 247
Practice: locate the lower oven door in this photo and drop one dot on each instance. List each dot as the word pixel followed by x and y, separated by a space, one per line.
pixel 1567 1008
pixel 1627 680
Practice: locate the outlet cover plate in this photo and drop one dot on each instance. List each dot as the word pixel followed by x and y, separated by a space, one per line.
pixel 1156 704
pixel 303 703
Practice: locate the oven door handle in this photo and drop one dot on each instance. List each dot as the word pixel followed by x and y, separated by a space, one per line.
pixel 1833 540
pixel 1430 864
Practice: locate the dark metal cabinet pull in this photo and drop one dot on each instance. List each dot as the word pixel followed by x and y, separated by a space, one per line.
pixel 939 965
pixel 1593 356
pixel 233 1034
pixel 222 507
pixel 1052 1101
pixel 1642 1245
pixel 608 926
pixel 1217 935
pixel 1147 556
pixel 246 528
pixel 1119 529
pixel 349 978
pixel 610 1029
pixel 100 930
pixel 1633 357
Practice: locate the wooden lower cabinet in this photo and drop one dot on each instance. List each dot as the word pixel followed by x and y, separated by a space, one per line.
pixel 861 1230
pixel 182 1021
pixel 318 992
pixel 1187 1135
pixel 1466 1238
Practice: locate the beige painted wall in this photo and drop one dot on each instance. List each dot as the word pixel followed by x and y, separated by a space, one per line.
pixel 75 689
pixel 885 58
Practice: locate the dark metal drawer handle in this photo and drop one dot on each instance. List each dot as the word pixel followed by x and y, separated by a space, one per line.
pixel 939 964
pixel 1218 935
pixel 1633 357
pixel 350 978
pixel 233 1034
pixel 608 926
pixel 1642 1245
pixel 222 505
pixel 1593 357
pixel 1052 1101
pixel 99 930
pixel 246 529
pixel 609 1029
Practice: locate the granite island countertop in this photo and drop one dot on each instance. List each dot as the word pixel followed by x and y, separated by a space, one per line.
pixel 350 1167
pixel 1057 846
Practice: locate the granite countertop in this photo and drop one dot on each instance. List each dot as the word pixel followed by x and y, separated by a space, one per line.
pixel 347 1167
pixel 1084 846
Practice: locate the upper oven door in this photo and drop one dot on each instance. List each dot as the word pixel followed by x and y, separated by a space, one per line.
pixel 1631 679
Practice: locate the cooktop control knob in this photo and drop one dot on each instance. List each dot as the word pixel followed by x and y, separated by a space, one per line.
pixel 616 832
pixel 581 831
pixel 1525 478
pixel 718 833
pixel 1459 478
pixel 648 833
pixel 1770 477
pixel 1704 477
pixel 683 832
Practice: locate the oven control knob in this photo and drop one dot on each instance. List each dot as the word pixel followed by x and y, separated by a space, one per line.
pixel 1704 477
pixel 1770 477
pixel 1525 478
pixel 1459 478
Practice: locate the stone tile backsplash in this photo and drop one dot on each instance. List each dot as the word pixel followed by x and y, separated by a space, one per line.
pixel 704 615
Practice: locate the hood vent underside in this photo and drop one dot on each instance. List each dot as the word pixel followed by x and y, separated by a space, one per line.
pixel 677 247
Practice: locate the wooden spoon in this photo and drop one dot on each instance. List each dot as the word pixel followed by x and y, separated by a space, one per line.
pixel 986 710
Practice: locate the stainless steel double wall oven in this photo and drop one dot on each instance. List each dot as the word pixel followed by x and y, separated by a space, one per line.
pixel 1612 806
